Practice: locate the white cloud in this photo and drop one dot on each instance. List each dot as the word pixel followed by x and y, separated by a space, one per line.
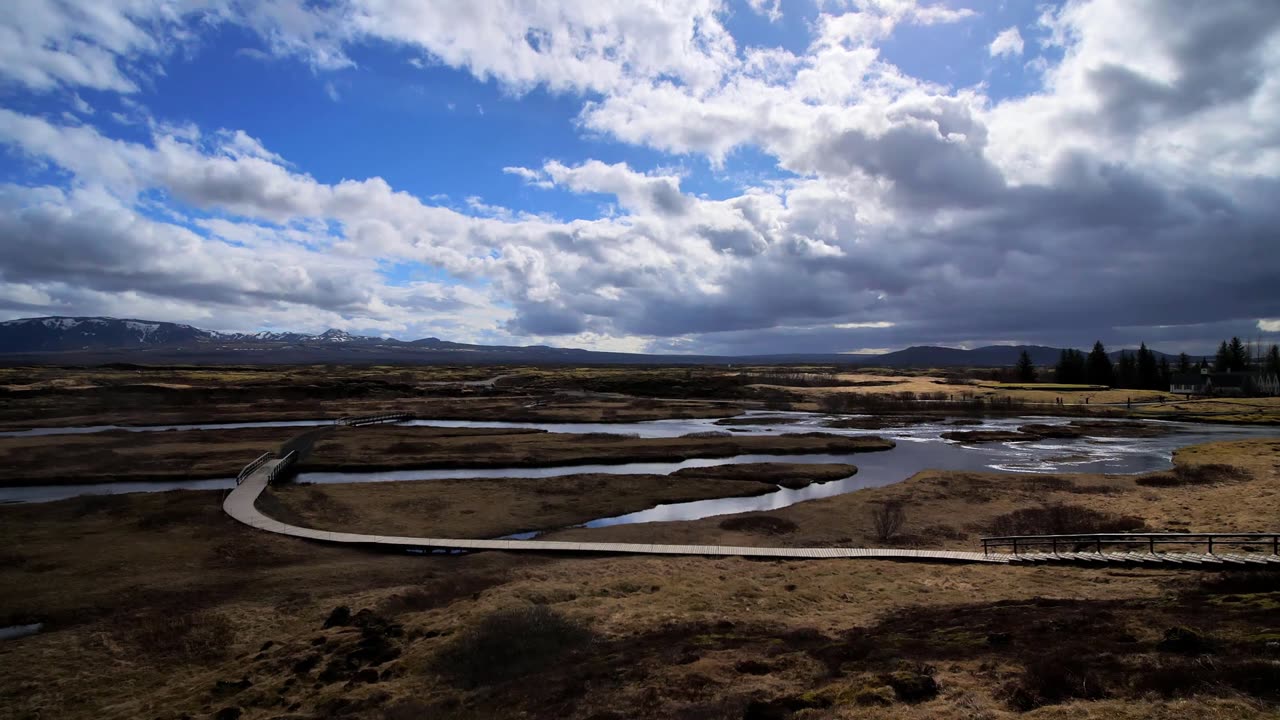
pixel 771 9
pixel 1008 42
pixel 1269 326
pixel 912 211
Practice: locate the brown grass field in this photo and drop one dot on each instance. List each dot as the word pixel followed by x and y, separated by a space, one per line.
pixel 390 447
pixel 494 508
pixel 157 605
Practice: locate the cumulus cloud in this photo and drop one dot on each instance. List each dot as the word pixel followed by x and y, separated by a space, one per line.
pixel 1134 189
pixel 1008 42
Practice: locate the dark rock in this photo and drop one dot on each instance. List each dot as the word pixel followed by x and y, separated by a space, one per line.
pixel 267 646
pixel 340 616
pixel 228 713
pixel 367 675
pixel 753 667
pixel 998 639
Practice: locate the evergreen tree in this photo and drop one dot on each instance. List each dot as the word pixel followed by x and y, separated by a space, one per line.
pixel 1098 369
pixel 1166 374
pixel 1222 361
pixel 1148 369
pixel 1273 359
pixel 1026 369
pixel 1184 364
pixel 1204 364
pixel 1070 368
pixel 1126 371
pixel 1239 355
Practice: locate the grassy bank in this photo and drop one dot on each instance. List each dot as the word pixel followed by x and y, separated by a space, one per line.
pixel 394 447
pixel 485 508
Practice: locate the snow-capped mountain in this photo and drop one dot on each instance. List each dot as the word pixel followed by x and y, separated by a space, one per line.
pixel 60 334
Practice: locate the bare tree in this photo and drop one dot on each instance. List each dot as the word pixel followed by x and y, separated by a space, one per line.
pixel 887 519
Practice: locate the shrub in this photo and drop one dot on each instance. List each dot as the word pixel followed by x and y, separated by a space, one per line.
pixel 1057 676
pixel 763 524
pixel 1207 474
pixel 887 520
pixel 1059 519
pixel 707 434
pixel 509 643
pixel 912 683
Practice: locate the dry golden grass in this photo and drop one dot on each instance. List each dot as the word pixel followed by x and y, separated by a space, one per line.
pixel 119 455
pixel 483 508
pixel 674 637
pixel 390 446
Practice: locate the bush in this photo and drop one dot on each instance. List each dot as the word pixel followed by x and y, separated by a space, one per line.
pixel 1059 519
pixel 913 683
pixel 707 434
pixel 887 520
pixel 1055 677
pixel 509 643
pixel 763 524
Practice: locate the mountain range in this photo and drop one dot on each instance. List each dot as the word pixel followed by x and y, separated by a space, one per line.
pixel 79 340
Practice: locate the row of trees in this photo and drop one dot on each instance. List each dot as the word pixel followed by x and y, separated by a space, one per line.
pixel 1235 356
pixel 1143 370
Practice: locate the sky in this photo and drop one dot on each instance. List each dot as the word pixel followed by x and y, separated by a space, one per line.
pixel 676 176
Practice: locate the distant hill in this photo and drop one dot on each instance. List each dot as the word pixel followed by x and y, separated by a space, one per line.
pixel 103 339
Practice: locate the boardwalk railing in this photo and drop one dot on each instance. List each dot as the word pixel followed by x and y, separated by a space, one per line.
pixel 248 469
pixel 282 467
pixel 1149 541
pixel 374 419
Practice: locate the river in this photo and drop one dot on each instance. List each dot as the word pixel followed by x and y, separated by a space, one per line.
pixel 919 447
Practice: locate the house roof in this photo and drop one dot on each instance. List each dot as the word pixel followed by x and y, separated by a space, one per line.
pixel 1188 379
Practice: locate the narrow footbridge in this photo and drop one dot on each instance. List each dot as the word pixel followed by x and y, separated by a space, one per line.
pixel 240 504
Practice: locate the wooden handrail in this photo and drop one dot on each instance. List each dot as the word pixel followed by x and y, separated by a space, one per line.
pixel 282 466
pixel 248 469
pixel 1024 542
pixel 373 419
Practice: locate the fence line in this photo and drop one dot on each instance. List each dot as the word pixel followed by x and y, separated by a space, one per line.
pixel 373 419
pixel 1033 543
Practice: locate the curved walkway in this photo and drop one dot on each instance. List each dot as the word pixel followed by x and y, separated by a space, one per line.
pixel 240 504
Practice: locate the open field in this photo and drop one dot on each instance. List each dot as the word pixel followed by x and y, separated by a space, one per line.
pixel 158 605
pixel 122 456
pixel 119 455
pixel 390 447
pixel 494 508
pixel 47 396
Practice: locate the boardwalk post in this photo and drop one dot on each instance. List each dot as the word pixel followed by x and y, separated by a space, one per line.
pixel 1015 546
pixel 1055 546
pixel 1210 544
pixel 1099 541
pixel 1275 544
pixel 1152 540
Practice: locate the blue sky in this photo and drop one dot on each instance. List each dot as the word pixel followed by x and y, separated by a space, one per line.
pixel 701 176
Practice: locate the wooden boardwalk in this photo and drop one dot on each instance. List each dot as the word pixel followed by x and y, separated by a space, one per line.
pixel 240 504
